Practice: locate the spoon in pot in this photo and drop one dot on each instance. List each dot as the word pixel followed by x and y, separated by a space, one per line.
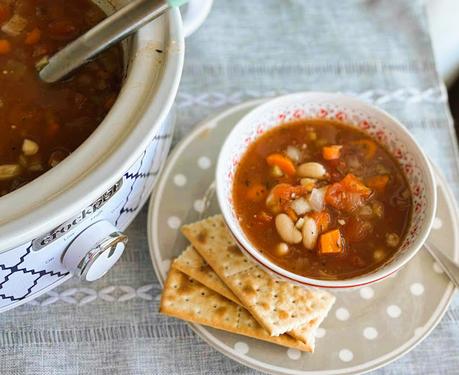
pixel 108 32
pixel 448 265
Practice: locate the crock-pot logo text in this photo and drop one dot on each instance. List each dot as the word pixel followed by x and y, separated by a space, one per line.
pixel 64 228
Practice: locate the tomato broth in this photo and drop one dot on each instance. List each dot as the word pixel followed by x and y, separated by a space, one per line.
pixel 322 199
pixel 41 124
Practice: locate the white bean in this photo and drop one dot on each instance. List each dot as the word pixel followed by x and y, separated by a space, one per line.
pixel 286 229
pixel 9 171
pixel 311 170
pixel 310 233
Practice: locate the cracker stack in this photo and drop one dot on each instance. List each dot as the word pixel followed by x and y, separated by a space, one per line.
pixel 214 284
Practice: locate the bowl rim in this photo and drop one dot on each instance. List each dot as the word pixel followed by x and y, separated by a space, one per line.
pixel 367 278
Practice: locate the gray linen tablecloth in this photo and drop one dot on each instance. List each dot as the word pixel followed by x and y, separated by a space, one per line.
pixel 374 48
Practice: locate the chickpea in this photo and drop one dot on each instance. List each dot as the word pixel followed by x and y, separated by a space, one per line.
pixel 392 239
pixel 29 148
pixel 282 249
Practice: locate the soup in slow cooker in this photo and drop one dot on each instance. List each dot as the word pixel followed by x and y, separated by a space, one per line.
pixel 322 199
pixel 40 123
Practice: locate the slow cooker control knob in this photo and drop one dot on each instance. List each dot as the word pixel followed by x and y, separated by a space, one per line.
pixel 94 251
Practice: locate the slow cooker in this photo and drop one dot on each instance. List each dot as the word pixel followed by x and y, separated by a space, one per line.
pixel 70 220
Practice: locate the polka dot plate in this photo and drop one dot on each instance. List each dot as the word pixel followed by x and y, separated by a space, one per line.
pixel 367 327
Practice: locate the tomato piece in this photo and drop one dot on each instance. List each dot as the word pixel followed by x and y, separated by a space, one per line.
pixel 5 47
pixel 348 194
pixel 4 13
pixel 282 194
pixel 33 37
pixel 369 147
pixel 353 184
pixel 340 198
pixel 356 229
pixel 263 218
pixel 378 183
pixel 322 220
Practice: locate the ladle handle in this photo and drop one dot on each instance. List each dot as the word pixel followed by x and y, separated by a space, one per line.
pixel 195 14
pixel 108 32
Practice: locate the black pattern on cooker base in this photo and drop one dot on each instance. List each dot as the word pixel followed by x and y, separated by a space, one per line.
pixel 16 270
pixel 22 279
pixel 122 210
pixel 161 142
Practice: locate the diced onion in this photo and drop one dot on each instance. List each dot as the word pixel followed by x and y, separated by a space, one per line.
pixel 293 153
pixel 301 206
pixel 317 198
pixel 15 25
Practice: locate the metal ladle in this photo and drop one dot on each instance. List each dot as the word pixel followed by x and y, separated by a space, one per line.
pixel 108 32
pixel 448 265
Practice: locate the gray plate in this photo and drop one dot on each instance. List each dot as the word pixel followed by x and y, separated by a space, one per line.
pixel 366 329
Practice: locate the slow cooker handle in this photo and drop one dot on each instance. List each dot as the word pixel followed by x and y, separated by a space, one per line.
pixel 195 14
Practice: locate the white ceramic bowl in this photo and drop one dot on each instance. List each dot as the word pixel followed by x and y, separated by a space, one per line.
pixel 373 121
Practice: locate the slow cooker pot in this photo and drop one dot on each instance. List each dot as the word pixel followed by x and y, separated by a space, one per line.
pixel 69 221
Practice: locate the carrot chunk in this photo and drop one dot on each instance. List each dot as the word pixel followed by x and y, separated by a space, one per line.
pixel 283 162
pixel 33 37
pixel 354 185
pixel 331 152
pixel 331 242
pixel 370 147
pixel 52 129
pixel 5 47
pixel 378 183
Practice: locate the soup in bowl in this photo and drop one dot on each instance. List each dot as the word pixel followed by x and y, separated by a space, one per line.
pixel 325 190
